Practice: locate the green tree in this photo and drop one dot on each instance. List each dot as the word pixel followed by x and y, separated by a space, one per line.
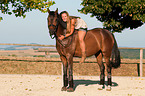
pixel 20 7
pixel 116 15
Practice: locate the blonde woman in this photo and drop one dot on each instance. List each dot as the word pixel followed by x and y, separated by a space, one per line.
pixel 75 23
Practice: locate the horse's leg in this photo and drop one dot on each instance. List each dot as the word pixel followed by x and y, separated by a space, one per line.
pixel 65 78
pixel 102 68
pixel 70 70
pixel 109 67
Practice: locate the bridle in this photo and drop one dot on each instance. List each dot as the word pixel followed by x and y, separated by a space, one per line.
pixel 55 28
pixel 55 36
pixel 52 25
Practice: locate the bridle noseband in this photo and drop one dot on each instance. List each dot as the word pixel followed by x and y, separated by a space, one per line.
pixel 52 25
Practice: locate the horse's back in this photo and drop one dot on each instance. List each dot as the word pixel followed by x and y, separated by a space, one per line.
pixel 105 39
pixel 96 40
pixel 103 35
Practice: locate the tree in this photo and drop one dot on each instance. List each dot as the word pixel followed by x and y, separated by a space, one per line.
pixel 116 15
pixel 20 7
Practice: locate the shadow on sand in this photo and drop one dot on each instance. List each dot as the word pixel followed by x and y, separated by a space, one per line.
pixel 90 82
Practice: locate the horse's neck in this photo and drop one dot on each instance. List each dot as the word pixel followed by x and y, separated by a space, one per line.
pixel 60 30
pixel 69 41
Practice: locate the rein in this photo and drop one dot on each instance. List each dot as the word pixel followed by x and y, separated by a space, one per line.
pixel 62 43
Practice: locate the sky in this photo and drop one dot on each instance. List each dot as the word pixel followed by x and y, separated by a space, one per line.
pixel 33 29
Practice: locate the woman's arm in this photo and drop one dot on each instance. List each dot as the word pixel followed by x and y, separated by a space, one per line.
pixel 72 28
pixel 71 32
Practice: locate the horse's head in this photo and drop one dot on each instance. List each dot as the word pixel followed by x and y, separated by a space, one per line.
pixel 52 22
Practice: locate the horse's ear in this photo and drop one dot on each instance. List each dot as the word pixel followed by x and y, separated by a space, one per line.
pixel 48 10
pixel 56 10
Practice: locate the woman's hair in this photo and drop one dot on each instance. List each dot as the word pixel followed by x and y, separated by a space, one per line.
pixel 68 21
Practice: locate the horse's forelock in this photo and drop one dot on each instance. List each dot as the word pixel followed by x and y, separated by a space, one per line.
pixel 52 13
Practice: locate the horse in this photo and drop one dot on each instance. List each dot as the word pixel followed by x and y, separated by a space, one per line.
pixel 99 42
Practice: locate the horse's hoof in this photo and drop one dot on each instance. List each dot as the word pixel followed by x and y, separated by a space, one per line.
pixel 63 88
pixel 108 88
pixel 100 87
pixel 70 90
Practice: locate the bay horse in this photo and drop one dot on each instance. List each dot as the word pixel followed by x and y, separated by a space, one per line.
pixel 99 42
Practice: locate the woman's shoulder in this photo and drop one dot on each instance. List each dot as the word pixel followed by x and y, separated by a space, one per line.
pixel 73 21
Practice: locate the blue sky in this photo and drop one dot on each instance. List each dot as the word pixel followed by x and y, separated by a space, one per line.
pixel 33 29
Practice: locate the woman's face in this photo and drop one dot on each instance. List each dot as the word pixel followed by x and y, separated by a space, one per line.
pixel 64 17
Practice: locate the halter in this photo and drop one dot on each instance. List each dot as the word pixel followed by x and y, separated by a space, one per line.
pixel 52 25
pixel 55 27
pixel 55 36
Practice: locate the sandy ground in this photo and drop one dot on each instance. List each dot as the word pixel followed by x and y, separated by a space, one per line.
pixel 50 85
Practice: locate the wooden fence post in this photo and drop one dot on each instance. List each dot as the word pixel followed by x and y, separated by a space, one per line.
pixel 141 62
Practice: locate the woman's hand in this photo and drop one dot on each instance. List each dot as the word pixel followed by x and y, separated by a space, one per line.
pixel 61 37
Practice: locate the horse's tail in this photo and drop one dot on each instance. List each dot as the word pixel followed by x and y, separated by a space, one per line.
pixel 115 56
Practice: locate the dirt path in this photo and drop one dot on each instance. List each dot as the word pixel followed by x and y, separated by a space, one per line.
pixel 50 85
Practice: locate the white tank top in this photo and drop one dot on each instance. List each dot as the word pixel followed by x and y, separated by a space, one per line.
pixel 80 23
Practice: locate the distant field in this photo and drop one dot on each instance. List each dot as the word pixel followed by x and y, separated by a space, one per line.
pixel 131 53
pixel 125 53
pixel 21 53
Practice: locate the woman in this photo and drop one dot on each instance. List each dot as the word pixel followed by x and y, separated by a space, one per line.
pixel 75 23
